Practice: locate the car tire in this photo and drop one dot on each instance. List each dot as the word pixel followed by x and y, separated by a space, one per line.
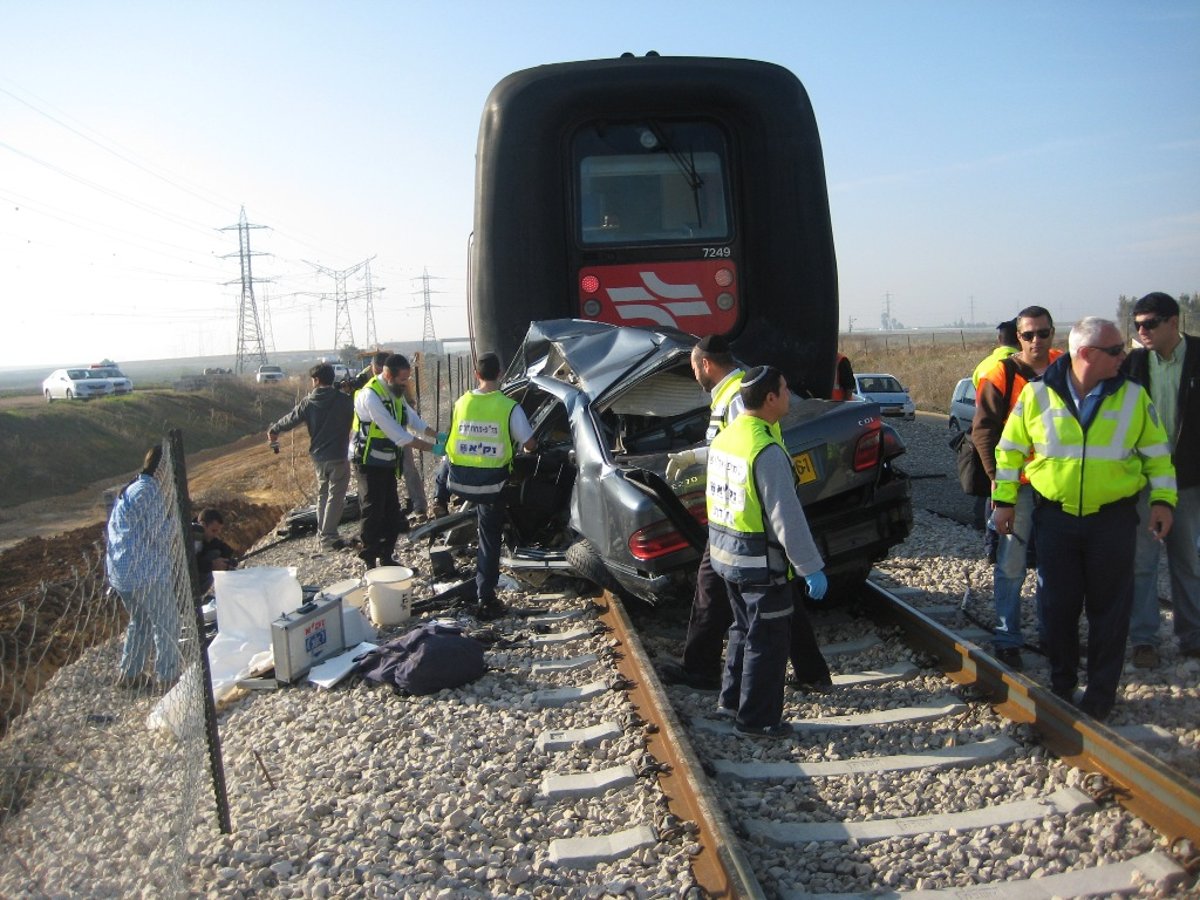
pixel 954 426
pixel 70 396
pixel 586 563
pixel 49 397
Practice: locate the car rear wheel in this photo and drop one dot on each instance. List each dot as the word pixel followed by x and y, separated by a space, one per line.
pixel 70 396
pixel 954 426
pixel 585 563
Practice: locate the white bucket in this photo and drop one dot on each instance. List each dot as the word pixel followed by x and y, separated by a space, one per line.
pixel 388 593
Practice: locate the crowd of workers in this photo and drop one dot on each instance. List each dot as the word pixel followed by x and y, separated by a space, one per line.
pixel 1091 453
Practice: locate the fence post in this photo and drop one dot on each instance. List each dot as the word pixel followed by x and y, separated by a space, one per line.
pixel 175 436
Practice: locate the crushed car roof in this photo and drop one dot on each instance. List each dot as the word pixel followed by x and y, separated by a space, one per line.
pixel 592 355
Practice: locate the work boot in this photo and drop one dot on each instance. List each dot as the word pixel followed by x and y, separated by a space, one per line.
pixel 439 511
pixel 1011 657
pixel 674 673
pixel 1145 656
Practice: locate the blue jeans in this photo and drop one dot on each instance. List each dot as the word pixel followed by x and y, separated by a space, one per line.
pixel 153 617
pixel 1009 574
pixel 757 655
pixel 1085 563
pixel 490 518
pixel 1184 565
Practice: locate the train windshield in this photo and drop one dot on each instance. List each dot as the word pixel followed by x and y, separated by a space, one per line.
pixel 651 182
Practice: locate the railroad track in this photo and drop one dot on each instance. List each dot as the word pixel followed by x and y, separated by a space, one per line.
pixel 901 777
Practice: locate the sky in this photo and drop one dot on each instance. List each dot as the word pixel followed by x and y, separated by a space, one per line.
pixel 980 156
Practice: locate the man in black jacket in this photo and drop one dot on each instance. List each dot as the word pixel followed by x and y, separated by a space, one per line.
pixel 328 414
pixel 1169 369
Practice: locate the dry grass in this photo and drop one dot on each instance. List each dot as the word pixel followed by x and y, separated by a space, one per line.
pixel 927 363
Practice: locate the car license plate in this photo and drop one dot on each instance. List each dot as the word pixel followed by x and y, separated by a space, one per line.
pixel 805 470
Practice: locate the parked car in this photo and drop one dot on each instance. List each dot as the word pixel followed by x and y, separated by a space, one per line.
pixel 608 403
pixel 121 384
pixel 887 391
pixel 962 405
pixel 268 374
pixel 75 384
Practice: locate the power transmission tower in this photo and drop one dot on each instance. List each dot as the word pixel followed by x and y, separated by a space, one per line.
pixel 428 336
pixel 372 335
pixel 312 341
pixel 343 331
pixel 250 335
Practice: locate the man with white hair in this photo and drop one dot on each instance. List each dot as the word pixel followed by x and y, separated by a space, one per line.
pixel 1088 440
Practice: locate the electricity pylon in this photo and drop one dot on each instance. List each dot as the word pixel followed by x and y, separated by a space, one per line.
pixel 343 331
pixel 250 335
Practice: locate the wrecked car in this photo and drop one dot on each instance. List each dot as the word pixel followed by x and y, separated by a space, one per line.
pixel 608 403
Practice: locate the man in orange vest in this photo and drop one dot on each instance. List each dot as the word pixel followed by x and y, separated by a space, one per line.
pixel 999 388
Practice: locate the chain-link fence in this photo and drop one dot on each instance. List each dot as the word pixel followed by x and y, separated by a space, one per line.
pixel 103 765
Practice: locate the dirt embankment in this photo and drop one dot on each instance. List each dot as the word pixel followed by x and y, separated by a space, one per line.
pixel 249 483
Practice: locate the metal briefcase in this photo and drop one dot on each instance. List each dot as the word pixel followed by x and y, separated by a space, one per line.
pixel 307 636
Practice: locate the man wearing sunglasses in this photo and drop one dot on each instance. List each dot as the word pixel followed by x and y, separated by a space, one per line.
pixel 1169 368
pixel 1088 439
pixel 997 393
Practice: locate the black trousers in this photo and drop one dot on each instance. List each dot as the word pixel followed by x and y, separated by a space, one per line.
pixel 383 521
pixel 1085 565
pixel 709 622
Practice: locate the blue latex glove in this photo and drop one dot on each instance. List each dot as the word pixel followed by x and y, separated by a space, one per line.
pixel 817 583
pixel 442 437
pixel 439 449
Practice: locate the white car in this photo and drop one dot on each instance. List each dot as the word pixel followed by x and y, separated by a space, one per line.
pixel 268 374
pixel 962 405
pixel 75 384
pixel 887 391
pixel 119 380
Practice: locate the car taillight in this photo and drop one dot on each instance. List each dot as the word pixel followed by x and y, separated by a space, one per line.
pixel 866 451
pixel 662 537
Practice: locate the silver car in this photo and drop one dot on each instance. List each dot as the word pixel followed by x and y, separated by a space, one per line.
pixel 119 380
pixel 888 392
pixel 962 405
pixel 607 405
pixel 75 384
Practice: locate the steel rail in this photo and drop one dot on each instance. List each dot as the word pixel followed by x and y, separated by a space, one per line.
pixel 721 868
pixel 1160 795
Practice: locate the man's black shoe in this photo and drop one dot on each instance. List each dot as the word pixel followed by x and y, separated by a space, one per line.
pixel 674 673
pixel 1011 657
pixel 390 561
pixel 370 559
pixel 810 684
pixel 487 612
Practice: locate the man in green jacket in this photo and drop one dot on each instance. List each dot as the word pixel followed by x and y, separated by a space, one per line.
pixel 1088 440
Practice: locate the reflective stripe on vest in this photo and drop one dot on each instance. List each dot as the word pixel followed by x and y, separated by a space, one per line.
pixel 719 408
pixel 480 446
pixel 737 530
pixel 372 447
pixel 1124 447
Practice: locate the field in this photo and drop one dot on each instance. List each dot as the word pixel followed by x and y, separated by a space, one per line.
pixel 929 364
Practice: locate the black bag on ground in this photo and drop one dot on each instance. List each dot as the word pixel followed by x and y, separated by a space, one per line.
pixel 425 660
pixel 971 475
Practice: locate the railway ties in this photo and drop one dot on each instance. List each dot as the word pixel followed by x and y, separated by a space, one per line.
pixel 893 780
pixel 574 777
